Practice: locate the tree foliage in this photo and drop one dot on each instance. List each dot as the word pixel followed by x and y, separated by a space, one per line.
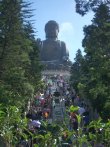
pixel 97 48
pixel 84 6
pixel 76 70
pixel 17 42
pixel 95 69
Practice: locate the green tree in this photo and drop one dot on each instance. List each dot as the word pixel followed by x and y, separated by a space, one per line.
pixel 34 70
pixel 96 44
pixel 84 6
pixel 15 49
pixel 76 70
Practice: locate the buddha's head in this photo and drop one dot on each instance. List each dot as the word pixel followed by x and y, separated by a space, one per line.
pixel 51 29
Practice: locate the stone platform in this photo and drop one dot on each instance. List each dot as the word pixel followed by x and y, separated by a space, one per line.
pixel 63 73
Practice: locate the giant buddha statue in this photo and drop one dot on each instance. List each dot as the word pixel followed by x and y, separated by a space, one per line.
pixel 53 52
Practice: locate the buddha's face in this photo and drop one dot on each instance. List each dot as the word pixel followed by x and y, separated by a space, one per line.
pixel 52 31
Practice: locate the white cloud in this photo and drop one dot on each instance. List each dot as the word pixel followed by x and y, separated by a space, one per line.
pixel 66 29
pixel 66 26
pixel 67 35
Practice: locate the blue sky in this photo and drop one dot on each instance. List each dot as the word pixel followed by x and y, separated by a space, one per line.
pixel 71 24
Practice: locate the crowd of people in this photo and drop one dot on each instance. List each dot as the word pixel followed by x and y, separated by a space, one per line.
pixel 41 107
